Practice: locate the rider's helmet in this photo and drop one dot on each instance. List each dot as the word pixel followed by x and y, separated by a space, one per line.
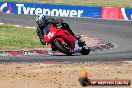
pixel 41 20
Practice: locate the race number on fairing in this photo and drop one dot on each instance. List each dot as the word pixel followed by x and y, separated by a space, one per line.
pixel 50 35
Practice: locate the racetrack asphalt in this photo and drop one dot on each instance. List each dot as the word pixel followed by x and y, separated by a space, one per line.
pixel 118 32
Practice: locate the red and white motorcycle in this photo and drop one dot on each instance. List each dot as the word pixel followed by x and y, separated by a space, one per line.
pixel 64 42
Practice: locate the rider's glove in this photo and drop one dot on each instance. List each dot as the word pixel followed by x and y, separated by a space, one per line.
pixel 78 36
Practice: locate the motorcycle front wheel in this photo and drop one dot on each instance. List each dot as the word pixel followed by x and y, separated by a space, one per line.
pixel 66 49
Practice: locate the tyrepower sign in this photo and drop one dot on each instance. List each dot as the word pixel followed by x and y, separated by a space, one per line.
pixel 49 9
pixel 5 7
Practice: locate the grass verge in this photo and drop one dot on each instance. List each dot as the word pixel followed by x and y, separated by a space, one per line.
pixel 13 38
pixel 107 3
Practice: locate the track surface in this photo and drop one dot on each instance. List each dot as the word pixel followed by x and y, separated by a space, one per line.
pixel 117 32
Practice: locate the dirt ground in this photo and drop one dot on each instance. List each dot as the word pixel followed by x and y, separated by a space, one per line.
pixel 43 75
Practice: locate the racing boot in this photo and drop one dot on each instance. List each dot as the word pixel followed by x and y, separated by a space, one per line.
pixel 81 43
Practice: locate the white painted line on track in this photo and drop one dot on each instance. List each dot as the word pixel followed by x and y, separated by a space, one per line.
pixel 17 26
pixel 1 23
pixel 31 27
pixel 128 61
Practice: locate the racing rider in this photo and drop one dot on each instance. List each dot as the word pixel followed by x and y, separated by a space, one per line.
pixel 43 27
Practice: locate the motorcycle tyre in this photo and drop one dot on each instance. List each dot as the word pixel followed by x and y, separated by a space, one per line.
pixel 61 48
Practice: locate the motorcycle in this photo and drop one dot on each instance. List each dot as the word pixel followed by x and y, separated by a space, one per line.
pixel 64 42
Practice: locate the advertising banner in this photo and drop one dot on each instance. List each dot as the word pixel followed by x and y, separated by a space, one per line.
pixel 51 10
pixel 117 13
pixel 126 13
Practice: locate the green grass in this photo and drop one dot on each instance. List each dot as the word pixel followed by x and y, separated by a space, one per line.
pixel 13 38
pixel 108 3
